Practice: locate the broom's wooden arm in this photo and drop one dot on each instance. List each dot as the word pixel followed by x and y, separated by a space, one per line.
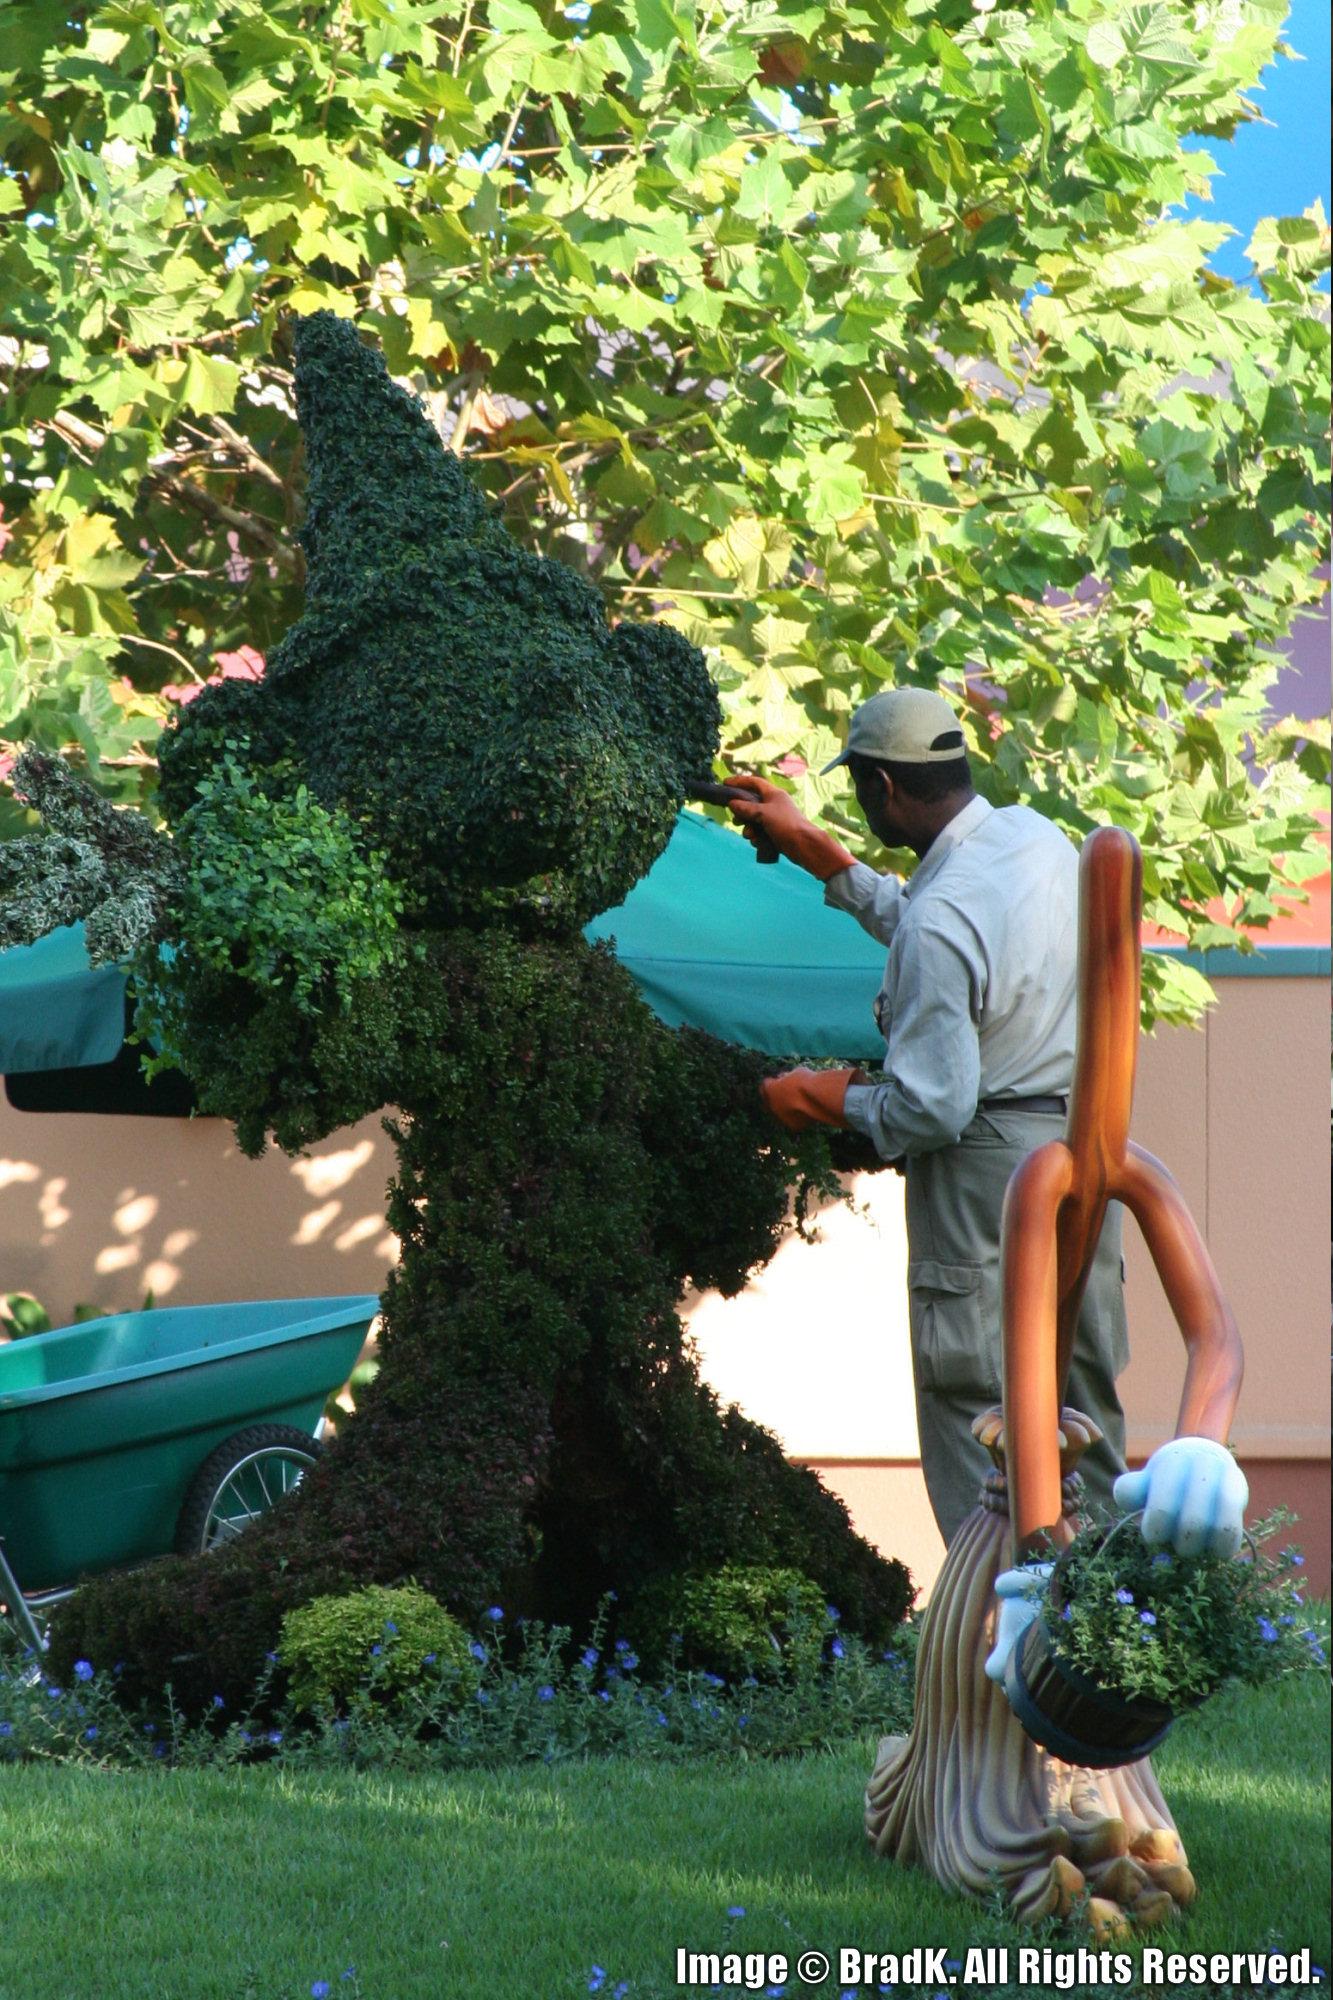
pixel 1055 1205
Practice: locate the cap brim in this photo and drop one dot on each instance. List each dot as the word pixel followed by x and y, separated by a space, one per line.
pixel 842 758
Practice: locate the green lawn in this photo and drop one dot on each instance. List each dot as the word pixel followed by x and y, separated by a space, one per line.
pixel 129 1886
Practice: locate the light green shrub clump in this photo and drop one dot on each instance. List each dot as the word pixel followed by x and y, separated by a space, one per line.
pixel 333 1645
pixel 738 1619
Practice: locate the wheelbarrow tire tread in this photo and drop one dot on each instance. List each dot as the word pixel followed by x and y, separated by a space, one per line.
pixel 207 1484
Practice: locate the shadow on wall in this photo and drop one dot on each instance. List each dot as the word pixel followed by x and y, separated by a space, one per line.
pixel 99 1211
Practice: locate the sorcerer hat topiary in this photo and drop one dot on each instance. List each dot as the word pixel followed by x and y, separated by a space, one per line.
pixel 462 699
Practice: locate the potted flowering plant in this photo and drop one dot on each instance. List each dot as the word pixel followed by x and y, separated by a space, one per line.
pixel 1129 1634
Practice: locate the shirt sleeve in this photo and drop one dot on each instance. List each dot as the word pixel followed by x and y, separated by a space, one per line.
pixel 876 901
pixel 932 1061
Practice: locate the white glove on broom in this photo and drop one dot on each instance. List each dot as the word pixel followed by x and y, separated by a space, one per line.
pixel 1193 1496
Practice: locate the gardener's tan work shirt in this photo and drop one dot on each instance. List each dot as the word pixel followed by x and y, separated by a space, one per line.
pixel 978 998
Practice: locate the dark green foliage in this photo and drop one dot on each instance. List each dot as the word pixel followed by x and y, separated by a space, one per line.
pixel 566 1164
pixel 461 698
pixel 535 1298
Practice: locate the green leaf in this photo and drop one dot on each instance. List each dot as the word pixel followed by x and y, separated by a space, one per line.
pixel 209 383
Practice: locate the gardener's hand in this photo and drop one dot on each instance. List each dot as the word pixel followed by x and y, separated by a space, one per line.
pixel 805 1097
pixel 1193 1495
pixel 777 814
pixel 1020 1592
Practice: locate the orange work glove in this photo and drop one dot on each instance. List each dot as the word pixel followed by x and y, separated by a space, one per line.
pixel 805 1097
pixel 779 816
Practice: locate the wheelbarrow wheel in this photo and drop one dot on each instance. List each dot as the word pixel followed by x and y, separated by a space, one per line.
pixel 245 1477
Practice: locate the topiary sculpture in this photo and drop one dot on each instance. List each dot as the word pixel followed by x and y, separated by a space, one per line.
pixel 382 856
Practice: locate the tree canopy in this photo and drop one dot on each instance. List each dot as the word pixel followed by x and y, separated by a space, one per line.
pixel 862 340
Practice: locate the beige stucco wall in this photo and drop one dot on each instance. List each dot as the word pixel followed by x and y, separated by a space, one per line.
pixel 1240 1115
pixel 98 1211
pixel 101 1210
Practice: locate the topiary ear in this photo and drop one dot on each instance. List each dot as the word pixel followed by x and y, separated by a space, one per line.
pixel 682 714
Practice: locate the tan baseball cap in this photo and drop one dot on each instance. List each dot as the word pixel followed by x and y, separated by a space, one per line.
pixel 907 725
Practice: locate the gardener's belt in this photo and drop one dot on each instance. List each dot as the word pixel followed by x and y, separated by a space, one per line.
pixel 1056 1106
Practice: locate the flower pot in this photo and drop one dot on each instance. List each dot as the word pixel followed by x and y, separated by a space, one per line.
pixel 1071 1716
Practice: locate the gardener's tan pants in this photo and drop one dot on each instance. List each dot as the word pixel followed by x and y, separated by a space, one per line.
pixel 954 1197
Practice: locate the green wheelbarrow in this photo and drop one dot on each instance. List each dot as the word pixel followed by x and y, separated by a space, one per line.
pixel 149 1433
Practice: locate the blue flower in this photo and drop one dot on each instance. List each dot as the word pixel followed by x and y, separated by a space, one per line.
pixel 1161 1561
pixel 91 1732
pixel 1267 1631
pixel 495 1614
pixel 246 1737
pixel 159 1749
pixel 389 1626
pixel 736 1910
pixel 629 1661
pixel 6 1729
pixel 482 1695
pixel 742 1721
pixel 319 1989
pixel 55 1693
pixel 590 1658
pixel 619 1992
pixel 598 1979
pixel 1123 1596
pixel 1298 1562
pixel 838 1650
pixel 477 1652
pixel 275 1737
pixel 603 1695
pixel 218 1702
pixel 374 1650
pixel 83 1670
pixel 350 1972
pixel 661 1719
pixel 546 1694
pixel 1147 1618
pixel 1067 1615
pixel 148 1729
pixel 622 1645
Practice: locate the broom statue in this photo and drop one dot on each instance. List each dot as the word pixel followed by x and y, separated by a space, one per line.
pixel 969 1794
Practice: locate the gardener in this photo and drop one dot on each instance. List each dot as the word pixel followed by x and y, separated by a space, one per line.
pixel 977 1012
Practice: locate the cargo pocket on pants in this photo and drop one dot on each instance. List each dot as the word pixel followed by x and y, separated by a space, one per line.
pixel 955 1339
